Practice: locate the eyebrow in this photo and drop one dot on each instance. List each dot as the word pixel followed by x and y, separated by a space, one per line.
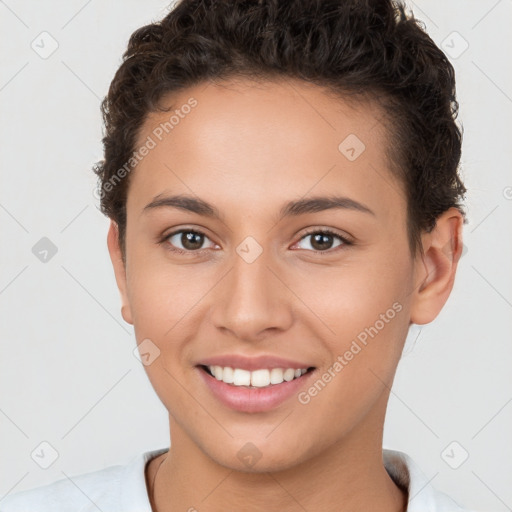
pixel 290 209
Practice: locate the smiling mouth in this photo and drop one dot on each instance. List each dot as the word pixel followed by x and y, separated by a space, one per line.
pixel 261 378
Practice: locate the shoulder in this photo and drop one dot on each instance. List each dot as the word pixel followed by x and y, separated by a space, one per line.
pixel 422 496
pixel 112 489
pixel 84 492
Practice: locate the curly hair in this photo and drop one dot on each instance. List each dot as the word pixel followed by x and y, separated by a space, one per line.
pixel 354 48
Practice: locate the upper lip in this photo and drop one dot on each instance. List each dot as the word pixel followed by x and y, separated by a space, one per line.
pixel 252 363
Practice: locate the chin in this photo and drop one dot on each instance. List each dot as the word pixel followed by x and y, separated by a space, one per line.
pixel 272 463
pixel 258 454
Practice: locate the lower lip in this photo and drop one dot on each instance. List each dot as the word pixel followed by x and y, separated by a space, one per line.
pixel 253 399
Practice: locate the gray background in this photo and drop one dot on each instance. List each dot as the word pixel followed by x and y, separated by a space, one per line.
pixel 68 375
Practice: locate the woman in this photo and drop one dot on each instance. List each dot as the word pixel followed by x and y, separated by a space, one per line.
pixel 281 179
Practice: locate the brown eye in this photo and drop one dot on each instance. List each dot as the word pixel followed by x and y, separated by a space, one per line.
pixel 189 240
pixel 324 240
pixel 320 241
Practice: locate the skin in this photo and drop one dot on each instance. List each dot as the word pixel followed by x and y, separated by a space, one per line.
pixel 247 149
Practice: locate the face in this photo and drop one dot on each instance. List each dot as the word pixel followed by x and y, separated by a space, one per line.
pixel 268 274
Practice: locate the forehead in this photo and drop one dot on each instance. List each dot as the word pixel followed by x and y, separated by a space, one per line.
pixel 248 146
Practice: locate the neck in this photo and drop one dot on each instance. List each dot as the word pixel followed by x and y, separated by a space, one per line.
pixel 349 475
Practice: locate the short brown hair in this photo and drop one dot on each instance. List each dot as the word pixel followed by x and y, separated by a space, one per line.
pixel 362 48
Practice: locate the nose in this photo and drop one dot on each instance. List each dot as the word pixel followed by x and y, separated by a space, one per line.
pixel 252 302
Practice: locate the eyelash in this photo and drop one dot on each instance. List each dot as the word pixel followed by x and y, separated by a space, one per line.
pixel 345 241
pixel 177 250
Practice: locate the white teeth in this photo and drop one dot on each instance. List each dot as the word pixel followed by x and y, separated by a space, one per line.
pixel 241 377
pixel 289 374
pixel 257 378
pixel 276 376
pixel 260 378
pixel 227 375
pixel 217 372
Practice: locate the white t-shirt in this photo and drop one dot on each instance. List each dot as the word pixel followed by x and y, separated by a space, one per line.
pixel 122 488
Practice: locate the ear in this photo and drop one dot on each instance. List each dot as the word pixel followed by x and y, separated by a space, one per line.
pixel 116 257
pixel 436 267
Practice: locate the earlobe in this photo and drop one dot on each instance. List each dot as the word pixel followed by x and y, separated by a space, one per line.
pixel 436 267
pixel 118 264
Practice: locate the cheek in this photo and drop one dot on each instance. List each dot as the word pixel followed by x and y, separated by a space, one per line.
pixel 345 300
pixel 168 304
pixel 162 294
pixel 161 303
pixel 367 308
